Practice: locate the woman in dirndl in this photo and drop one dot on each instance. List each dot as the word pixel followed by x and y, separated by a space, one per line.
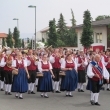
pixel 45 82
pixel 70 81
pixel 20 81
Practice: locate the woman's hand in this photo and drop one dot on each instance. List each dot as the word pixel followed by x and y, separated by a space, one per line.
pixel 69 68
pixel 53 76
pixel 28 76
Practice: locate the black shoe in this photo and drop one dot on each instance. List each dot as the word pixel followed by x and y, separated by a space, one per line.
pixel 9 93
pixel 58 92
pixel 108 89
pixel 46 96
pixel 16 96
pixel 53 91
pixel 97 104
pixel 92 102
pixel 29 92
pixel 67 95
pixel 42 95
pixel 2 90
pixel 20 97
pixel 33 92
pixel 6 92
pixel 81 91
pixel 70 95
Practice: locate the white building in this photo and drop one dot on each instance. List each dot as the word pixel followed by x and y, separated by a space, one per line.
pixel 101 31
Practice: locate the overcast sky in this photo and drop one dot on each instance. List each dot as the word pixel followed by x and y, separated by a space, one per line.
pixel 47 10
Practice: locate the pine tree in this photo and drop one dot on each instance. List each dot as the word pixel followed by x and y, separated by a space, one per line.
pixel 62 31
pixel 9 39
pixel 16 37
pixel 20 43
pixel 3 42
pixel 73 21
pixel 86 39
pixel 52 40
pixel 72 35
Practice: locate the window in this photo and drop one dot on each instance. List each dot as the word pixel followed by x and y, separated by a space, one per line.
pixel 98 37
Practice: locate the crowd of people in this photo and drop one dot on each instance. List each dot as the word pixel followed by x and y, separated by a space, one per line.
pixel 54 70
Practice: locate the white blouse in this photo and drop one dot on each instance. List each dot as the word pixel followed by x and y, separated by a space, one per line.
pixel 63 64
pixel 19 61
pixel 40 66
pixel 90 73
pixel 2 63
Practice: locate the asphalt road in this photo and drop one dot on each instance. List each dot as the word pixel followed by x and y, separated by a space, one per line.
pixel 56 101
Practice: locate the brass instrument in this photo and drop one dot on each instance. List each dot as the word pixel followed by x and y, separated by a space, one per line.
pixel 9 61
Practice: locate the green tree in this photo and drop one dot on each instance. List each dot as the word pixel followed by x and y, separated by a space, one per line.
pixel 52 34
pixel 3 42
pixel 71 40
pixel 20 43
pixel 101 17
pixel 9 39
pixel 73 21
pixel 62 31
pixel 16 37
pixel 86 38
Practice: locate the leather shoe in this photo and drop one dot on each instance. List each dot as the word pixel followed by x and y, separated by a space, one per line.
pixel 46 96
pixel 81 91
pixel 2 90
pixel 97 104
pixel 108 89
pixel 32 92
pixel 70 95
pixel 20 97
pixel 92 102
pixel 58 92
pixel 9 93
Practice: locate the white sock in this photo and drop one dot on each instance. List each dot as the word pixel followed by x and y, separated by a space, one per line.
pixel 29 86
pixel 108 86
pixel 45 94
pixel 92 95
pixel 57 86
pixel 20 95
pixel 66 92
pixel 6 87
pixel 32 87
pixel 2 83
pixel 54 85
pixel 96 97
pixel 70 93
pixel 81 86
pixel 16 94
pixel 9 88
pixel 36 82
pixel 42 93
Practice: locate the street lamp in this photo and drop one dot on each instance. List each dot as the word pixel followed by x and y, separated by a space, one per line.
pixel 31 6
pixel 17 21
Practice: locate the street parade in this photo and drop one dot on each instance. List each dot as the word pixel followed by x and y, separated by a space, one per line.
pixel 54 70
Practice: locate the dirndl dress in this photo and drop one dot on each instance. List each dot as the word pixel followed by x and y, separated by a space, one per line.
pixel 70 81
pixel 20 81
pixel 45 82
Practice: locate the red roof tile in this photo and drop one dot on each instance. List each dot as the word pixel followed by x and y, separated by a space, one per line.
pixel 3 35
